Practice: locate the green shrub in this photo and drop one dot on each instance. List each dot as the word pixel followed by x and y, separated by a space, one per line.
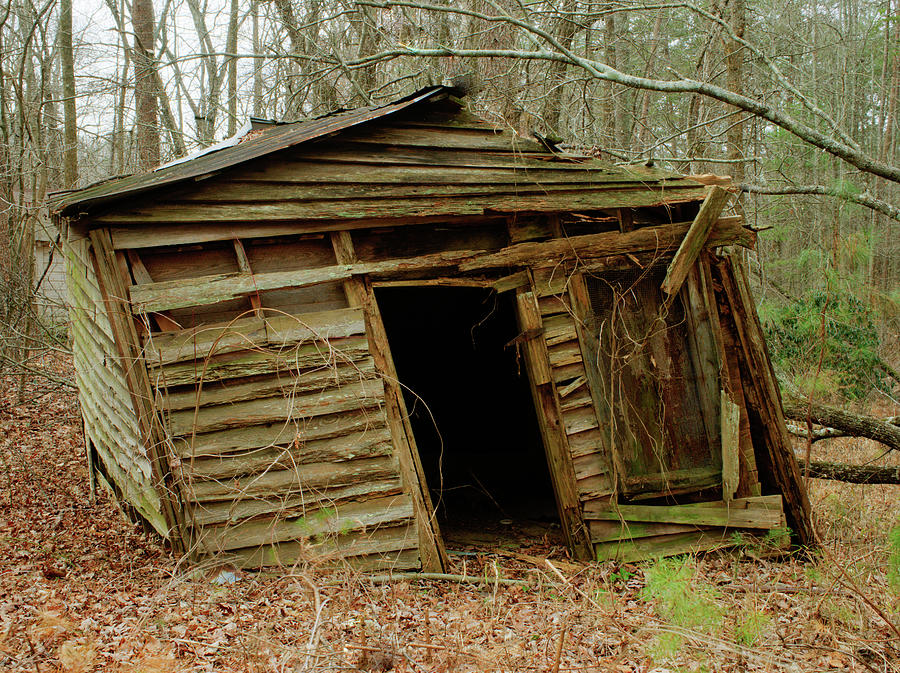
pixel 850 362
pixel 894 558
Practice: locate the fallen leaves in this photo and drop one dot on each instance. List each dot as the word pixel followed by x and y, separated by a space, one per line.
pixel 83 590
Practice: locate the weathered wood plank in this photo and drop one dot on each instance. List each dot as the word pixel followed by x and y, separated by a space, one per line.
pixel 175 294
pixel 556 446
pixel 672 482
pixel 580 420
pixel 581 399
pixel 361 153
pixel 201 342
pixel 136 236
pixel 437 137
pixel 255 363
pixel 310 171
pixel 363 394
pixel 290 211
pixel 554 305
pixel 568 372
pixel 550 281
pixel 570 388
pixel 565 353
pixel 368 443
pixel 300 478
pixel 665 545
pixel 342 519
pixel 646 239
pixel 233 511
pixel 286 330
pixel 730 416
pixel 589 466
pixel 385 548
pixel 695 239
pixel 703 352
pixel 257 191
pixel 614 531
pixel 272 434
pixel 587 442
pixel 699 516
pixel 559 329
pixel 230 392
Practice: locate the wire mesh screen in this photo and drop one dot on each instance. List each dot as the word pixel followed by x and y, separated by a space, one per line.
pixel 649 380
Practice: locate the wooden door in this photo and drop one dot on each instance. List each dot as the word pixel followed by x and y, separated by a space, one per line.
pixel 649 389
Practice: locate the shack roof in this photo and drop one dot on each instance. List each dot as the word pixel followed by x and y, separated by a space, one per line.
pixel 528 157
pixel 277 137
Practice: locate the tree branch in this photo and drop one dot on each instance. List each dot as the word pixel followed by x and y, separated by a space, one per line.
pixel 602 71
pixel 864 199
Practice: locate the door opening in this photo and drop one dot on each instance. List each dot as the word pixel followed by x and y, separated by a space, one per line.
pixel 471 411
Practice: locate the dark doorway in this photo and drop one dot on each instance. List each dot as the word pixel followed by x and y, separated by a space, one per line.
pixel 471 408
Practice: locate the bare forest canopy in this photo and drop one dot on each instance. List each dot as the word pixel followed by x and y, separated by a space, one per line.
pixel 797 100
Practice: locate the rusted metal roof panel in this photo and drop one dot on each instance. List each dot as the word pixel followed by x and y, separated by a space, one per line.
pixel 270 140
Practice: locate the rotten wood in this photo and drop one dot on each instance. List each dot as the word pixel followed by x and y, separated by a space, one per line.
pixel 695 239
pixel 550 419
pixel 167 295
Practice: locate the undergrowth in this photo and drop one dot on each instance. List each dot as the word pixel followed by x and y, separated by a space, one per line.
pixel 680 597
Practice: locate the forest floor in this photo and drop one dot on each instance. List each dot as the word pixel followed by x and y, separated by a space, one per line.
pixel 83 590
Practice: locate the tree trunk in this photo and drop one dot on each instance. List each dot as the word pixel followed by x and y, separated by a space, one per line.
pixel 231 48
pixel 856 425
pixel 147 136
pixel 566 26
pixel 257 63
pixel 734 59
pixel 853 474
pixel 67 62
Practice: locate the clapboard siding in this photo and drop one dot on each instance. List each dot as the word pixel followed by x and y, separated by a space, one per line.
pixel 111 423
pixel 579 418
pixel 279 425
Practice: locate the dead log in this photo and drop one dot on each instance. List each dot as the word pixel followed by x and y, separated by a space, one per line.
pixel 853 474
pixel 854 425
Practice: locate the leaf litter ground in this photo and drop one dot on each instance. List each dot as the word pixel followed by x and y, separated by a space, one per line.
pixel 81 589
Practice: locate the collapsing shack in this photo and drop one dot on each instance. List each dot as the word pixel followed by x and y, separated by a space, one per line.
pixel 298 345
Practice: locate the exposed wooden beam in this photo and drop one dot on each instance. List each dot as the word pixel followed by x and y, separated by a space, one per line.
pixel 222 287
pixel 695 240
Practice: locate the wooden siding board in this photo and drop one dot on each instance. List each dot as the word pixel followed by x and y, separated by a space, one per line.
pixel 347 517
pixel 269 361
pixel 368 443
pixel 110 422
pixel 287 506
pixel 355 209
pixel 259 436
pixel 364 394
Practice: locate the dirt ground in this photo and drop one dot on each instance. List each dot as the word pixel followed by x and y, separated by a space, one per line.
pixel 81 590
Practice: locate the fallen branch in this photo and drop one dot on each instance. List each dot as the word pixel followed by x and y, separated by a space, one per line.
pixel 854 425
pixel 853 474
pixel 818 434
pixel 442 577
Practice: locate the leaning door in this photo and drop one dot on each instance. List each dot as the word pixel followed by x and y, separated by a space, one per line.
pixel 649 389
pixel 669 421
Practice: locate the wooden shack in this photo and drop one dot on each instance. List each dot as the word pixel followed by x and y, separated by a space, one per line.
pixel 274 344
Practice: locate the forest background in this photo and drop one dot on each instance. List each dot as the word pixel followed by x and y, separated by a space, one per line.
pixel 796 100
